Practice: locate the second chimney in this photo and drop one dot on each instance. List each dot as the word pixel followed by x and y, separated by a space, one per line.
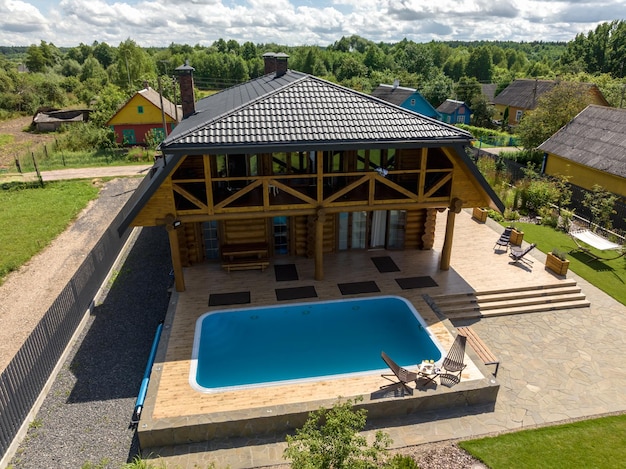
pixel 187 93
pixel 275 63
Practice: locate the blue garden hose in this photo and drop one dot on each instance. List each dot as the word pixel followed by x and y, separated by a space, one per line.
pixel 146 378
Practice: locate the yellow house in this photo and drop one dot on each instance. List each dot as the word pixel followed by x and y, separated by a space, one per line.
pixel 141 114
pixel 522 96
pixel 590 150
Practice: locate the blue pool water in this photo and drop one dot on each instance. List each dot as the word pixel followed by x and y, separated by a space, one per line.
pixel 241 348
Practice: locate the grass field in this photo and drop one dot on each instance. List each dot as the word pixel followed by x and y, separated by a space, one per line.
pixel 32 217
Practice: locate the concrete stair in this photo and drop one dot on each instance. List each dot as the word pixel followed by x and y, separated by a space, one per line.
pixel 530 299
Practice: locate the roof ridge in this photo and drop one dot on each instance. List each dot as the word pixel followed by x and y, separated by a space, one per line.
pixel 236 109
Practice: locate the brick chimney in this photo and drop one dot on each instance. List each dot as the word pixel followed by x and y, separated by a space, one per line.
pixel 270 62
pixel 281 64
pixel 187 94
pixel 275 63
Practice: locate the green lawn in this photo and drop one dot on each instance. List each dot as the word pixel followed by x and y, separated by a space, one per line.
pixel 609 276
pixel 596 443
pixel 32 217
pixel 589 444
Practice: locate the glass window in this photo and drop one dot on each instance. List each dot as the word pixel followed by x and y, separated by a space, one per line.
pixel 281 235
pixel 139 109
pixel 211 244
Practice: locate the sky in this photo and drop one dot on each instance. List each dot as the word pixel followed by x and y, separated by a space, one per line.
pixel 67 23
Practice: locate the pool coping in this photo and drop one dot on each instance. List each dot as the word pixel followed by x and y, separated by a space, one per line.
pixel 473 395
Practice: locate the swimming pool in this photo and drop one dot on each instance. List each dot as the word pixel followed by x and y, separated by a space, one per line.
pixel 270 345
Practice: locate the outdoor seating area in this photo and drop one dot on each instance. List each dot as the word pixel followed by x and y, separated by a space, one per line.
pixel 504 240
pixel 519 255
pixel 449 374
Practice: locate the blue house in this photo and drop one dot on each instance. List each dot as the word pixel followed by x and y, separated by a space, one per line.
pixel 454 112
pixel 407 98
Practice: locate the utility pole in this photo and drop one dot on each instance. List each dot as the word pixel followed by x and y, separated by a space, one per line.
pixel 162 110
pixel 127 68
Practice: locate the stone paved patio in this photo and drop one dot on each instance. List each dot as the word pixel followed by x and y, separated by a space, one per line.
pixel 555 366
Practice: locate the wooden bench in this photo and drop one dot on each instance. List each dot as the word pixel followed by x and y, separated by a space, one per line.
pixel 246 263
pixel 247 250
pixel 479 347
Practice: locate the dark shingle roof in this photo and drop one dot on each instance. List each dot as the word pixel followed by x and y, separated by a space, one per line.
pixel 449 106
pixel 393 94
pixel 596 138
pixel 523 94
pixel 302 110
pixel 153 96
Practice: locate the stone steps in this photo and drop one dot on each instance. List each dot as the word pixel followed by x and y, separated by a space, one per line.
pixel 530 299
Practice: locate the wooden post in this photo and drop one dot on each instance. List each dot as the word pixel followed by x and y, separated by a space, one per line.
pixel 319 245
pixel 455 207
pixel 177 266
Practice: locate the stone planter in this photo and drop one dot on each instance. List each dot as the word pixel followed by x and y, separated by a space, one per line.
pixel 516 237
pixel 480 214
pixel 556 265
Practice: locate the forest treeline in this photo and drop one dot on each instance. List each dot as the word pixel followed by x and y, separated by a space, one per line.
pixel 100 76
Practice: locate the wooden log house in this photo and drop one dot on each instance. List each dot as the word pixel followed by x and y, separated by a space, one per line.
pixel 292 164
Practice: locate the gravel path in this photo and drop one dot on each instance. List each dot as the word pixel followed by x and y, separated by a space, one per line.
pixel 85 416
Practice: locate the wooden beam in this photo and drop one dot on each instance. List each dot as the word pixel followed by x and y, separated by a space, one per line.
pixel 319 245
pixel 446 251
pixel 177 266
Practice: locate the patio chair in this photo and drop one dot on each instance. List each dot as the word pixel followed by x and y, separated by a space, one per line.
pixel 402 375
pixel 517 254
pixel 454 363
pixel 504 240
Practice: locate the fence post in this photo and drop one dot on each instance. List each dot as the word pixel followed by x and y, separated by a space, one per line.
pixel 17 163
pixel 37 169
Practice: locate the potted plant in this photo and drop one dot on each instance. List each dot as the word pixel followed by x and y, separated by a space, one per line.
pixel 480 214
pixel 557 262
pixel 517 236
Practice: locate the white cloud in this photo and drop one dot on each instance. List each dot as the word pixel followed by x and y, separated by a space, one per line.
pixel 295 22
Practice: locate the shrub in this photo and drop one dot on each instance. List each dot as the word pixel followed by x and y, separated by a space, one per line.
pixel 402 462
pixel 331 439
pixel 559 254
pixel 85 137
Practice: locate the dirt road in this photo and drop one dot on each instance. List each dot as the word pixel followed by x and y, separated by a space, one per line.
pixel 20 141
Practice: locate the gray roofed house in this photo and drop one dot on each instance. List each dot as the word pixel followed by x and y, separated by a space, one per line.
pixel 52 120
pixel 522 95
pixel 455 112
pixel 590 149
pixel 408 98
pixel 317 158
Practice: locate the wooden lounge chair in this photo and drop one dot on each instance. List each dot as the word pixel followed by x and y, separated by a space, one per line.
pixel 454 363
pixel 504 240
pixel 402 375
pixel 517 254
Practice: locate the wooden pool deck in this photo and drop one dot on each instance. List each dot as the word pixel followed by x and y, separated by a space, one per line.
pixel 175 413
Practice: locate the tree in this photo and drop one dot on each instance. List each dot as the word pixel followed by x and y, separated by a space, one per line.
pixel 330 439
pixel 601 204
pixel 467 89
pixel 480 65
pixel 437 90
pixel 133 65
pixel 555 108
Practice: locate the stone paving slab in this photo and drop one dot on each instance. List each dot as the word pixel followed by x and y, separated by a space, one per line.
pixel 555 366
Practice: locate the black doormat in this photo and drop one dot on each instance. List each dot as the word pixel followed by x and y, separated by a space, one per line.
pixel 385 264
pixel 285 272
pixel 416 282
pixel 358 287
pixel 295 293
pixel 234 298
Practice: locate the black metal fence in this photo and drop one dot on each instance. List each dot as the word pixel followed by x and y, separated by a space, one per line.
pixel 25 376
pixel 618 219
